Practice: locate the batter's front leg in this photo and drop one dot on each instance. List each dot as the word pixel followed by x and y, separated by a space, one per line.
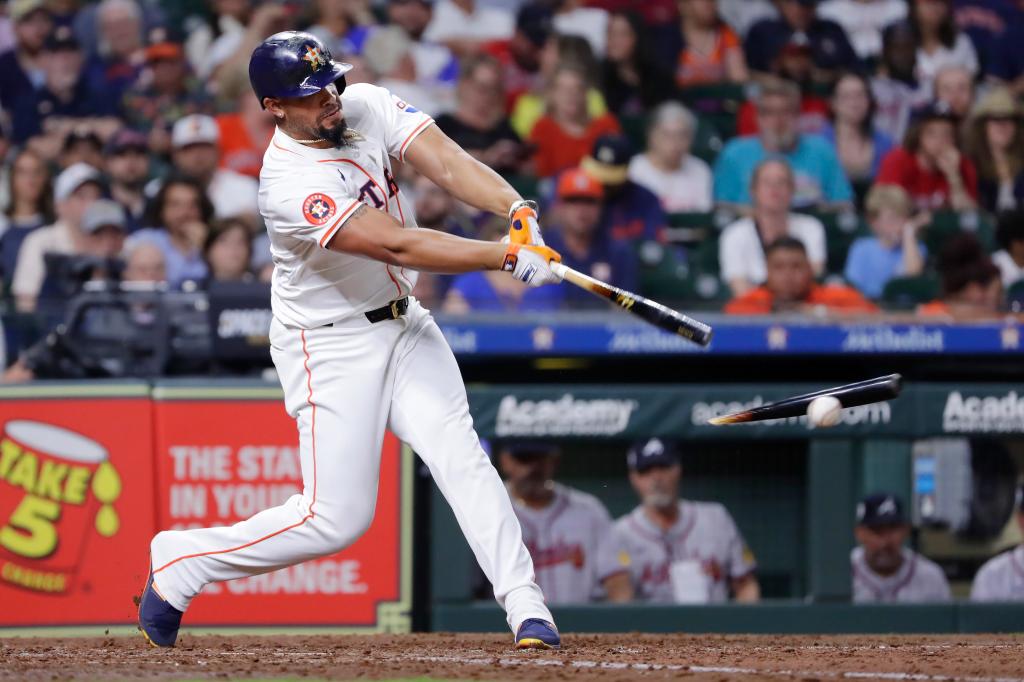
pixel 430 412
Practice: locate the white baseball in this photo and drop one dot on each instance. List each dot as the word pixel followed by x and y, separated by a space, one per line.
pixel 824 411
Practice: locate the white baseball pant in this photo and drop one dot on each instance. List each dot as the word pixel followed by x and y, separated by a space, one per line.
pixel 344 385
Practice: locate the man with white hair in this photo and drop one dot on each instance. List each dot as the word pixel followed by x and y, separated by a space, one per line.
pixel 119 25
pixel 954 85
pixel 680 180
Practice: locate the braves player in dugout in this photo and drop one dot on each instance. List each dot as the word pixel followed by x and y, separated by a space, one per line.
pixel 356 354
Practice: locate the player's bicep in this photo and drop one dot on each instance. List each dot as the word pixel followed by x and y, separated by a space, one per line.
pixel 369 233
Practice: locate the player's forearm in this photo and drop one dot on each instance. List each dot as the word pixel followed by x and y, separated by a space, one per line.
pixel 450 167
pixel 433 251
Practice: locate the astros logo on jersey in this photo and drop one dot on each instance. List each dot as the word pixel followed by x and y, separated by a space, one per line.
pixel 313 56
pixel 318 208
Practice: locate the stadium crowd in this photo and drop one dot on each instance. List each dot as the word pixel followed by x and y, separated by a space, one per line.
pixel 843 157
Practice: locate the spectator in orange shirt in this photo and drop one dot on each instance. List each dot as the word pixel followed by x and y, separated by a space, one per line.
pixel 566 133
pixel 244 136
pixel 710 51
pixel 790 287
pixel 972 288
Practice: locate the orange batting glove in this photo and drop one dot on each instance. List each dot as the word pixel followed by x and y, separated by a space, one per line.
pixel 523 225
pixel 531 264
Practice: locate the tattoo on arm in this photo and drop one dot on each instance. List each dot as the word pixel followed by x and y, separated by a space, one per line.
pixel 358 212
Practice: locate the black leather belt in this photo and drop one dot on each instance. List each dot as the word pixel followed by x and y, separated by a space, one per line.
pixel 391 311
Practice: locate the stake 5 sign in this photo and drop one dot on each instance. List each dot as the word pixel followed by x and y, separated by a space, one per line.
pixel 75 510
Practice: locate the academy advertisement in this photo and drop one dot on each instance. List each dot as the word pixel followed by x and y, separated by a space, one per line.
pixel 221 461
pixel 76 506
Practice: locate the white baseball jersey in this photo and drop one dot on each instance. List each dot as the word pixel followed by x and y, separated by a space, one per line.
pixel 345 384
pixel 563 539
pixel 693 561
pixel 307 194
pixel 917 580
pixel 1001 578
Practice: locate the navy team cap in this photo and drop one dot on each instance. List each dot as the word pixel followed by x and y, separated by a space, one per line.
pixel 880 509
pixel 649 454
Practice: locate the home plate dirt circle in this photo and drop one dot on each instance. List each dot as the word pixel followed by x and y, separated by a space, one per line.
pixel 978 658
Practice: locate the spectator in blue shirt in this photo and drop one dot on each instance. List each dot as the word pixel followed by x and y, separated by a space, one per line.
pixel 831 51
pixel 489 292
pixel 858 143
pixel 179 215
pixel 820 179
pixel 894 250
pixel 576 234
pixel 631 212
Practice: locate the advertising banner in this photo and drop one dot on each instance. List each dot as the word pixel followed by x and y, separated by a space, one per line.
pixel 76 503
pixel 221 460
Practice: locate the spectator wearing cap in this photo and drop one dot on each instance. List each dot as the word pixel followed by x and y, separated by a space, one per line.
pixel 972 287
pixel 1010 236
pixel 884 571
pixel 830 50
pixel 672 550
pixel 863 21
pixel 389 59
pixel 179 216
pixel 103 233
pixel 1001 578
pixel 478 123
pixel 567 132
pixel 30 207
pixel 21 68
pixel 65 99
pixel 789 287
pixel 893 250
pixel 819 177
pixel 939 42
pixel 464 25
pixel 119 58
pixel 741 248
pixel 929 164
pixel 563 528
pixel 681 181
pixel 995 138
pixel 634 80
pixel 632 213
pixel 488 292
pixel 435 63
pixel 709 50
pixel 165 91
pixel 196 154
pixel 576 234
pixel 73 192
pixel 894 83
pixel 127 169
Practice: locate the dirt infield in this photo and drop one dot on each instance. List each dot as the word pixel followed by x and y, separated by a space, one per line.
pixel 469 656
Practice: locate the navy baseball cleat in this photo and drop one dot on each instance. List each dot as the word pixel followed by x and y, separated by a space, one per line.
pixel 535 633
pixel 158 620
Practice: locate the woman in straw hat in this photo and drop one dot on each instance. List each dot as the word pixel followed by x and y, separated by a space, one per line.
pixel 996 141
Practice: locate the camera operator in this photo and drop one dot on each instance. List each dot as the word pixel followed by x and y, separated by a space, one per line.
pixel 103 228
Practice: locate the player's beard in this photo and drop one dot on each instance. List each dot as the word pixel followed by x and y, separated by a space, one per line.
pixel 337 135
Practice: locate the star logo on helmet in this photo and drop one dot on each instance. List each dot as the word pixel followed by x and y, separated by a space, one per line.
pixel 313 56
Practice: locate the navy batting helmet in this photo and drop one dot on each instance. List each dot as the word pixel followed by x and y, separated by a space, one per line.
pixel 293 64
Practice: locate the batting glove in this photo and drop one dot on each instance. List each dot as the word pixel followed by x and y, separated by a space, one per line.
pixel 530 264
pixel 524 228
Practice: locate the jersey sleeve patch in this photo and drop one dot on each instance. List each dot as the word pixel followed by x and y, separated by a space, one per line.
pixel 318 208
pixel 405 106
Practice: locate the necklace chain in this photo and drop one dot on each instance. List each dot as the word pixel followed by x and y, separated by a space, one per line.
pixel 319 139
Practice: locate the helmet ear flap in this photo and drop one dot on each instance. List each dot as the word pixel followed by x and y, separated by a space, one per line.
pixel 341 84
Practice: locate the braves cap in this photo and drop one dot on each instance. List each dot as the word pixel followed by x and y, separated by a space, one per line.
pixel 194 129
pixel 880 509
pixel 73 177
pixel 649 454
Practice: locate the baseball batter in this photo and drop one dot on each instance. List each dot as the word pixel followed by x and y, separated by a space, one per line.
pixel 883 570
pixel 669 550
pixel 563 528
pixel 1001 578
pixel 355 353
